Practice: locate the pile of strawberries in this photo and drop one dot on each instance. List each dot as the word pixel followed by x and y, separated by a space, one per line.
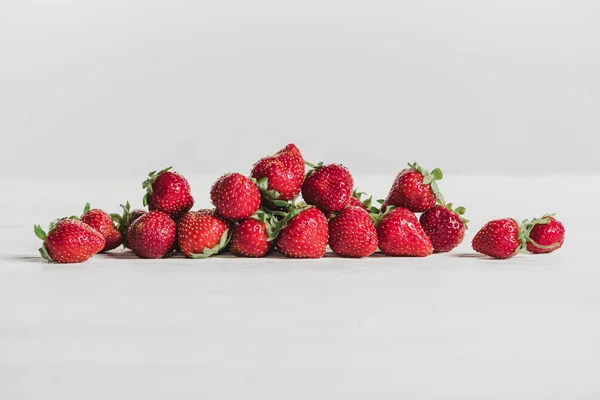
pixel 255 214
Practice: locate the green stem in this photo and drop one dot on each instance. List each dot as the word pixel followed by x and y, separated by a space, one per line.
pixel 309 164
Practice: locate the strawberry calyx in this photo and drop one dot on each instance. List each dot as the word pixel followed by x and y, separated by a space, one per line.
pixel 460 211
pixel 269 195
pixel 223 242
pixel 525 230
pixel 123 221
pixel 42 235
pixel 147 184
pixel 272 224
pixel 430 178
pixel 86 208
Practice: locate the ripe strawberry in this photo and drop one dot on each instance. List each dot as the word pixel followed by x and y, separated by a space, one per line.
pixel 415 188
pixel 547 235
pixel 304 234
pixel 500 238
pixel 357 201
pixel 69 241
pixel 284 171
pixel 152 235
pixel 125 220
pixel 400 234
pixel 444 226
pixel 103 223
pixel 168 192
pixel 352 233
pixel 253 237
pixel 202 234
pixel 235 196
pixel 328 187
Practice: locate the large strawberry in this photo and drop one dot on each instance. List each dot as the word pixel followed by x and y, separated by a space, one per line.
pixel 103 223
pixel 400 234
pixel 201 234
pixel 125 220
pixel 69 241
pixel 415 188
pixel 352 233
pixel 284 172
pixel 328 187
pixel 235 196
pixel 152 235
pixel 444 226
pixel 254 236
pixel 547 232
pixel 304 233
pixel 169 192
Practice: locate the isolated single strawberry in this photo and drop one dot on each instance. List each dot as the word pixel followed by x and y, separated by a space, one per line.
pixel 123 221
pixel 284 172
pixel 201 234
pixel 444 226
pixel 169 192
pixel 253 237
pixel 400 234
pixel 152 235
pixel 547 232
pixel 69 241
pixel 328 187
pixel 304 234
pixel 415 188
pixel 352 233
pixel 103 223
pixel 235 196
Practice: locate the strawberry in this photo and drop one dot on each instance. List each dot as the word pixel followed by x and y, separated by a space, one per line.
pixel 168 192
pixel 125 220
pixel 444 226
pixel 284 173
pixel 235 196
pixel 415 188
pixel 69 241
pixel 357 201
pixel 103 223
pixel 304 233
pixel 352 233
pixel 328 187
pixel 400 234
pixel 202 234
pixel 547 235
pixel 253 237
pixel 152 235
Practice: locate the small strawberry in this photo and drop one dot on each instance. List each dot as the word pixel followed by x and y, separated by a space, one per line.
pixel 69 241
pixel 124 221
pixel 152 235
pixel 168 192
pixel 444 226
pixel 304 233
pixel 328 187
pixel 415 188
pixel 202 234
pixel 253 237
pixel 284 172
pixel 547 232
pixel 235 196
pixel 103 223
pixel 400 234
pixel 352 233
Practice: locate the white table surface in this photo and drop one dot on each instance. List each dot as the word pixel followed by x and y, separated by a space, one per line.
pixel 454 325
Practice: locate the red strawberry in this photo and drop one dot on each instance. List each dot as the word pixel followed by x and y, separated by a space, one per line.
pixel 547 235
pixel 252 237
pixel 356 200
pixel 500 238
pixel 284 172
pixel 168 192
pixel 415 188
pixel 235 196
pixel 125 220
pixel 103 223
pixel 400 234
pixel 152 235
pixel 444 226
pixel 202 234
pixel 305 234
pixel 352 233
pixel 69 241
pixel 328 187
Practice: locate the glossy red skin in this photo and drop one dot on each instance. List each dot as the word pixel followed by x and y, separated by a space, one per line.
pixel 171 194
pixel 547 235
pixel 408 191
pixel 152 235
pixel 444 228
pixel 102 222
pixel 400 234
pixel 305 236
pixel 249 239
pixel 284 171
pixel 328 187
pixel 198 230
pixel 352 233
pixel 73 241
pixel 235 196
pixel 498 239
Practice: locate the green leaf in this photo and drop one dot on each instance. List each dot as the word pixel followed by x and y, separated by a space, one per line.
pixel 39 232
pixel 280 203
pixel 460 210
pixel 198 256
pixel 145 200
pixel 427 179
pixel 437 174
pixel 380 201
pixel 263 184
pixel 44 253
pixel 116 218
pixel 86 208
pixel 224 239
